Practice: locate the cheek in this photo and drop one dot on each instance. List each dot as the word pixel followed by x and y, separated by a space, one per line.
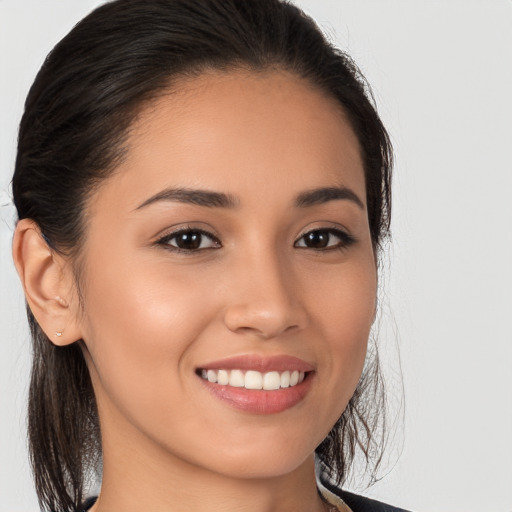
pixel 139 328
pixel 343 309
pixel 142 306
pixel 344 301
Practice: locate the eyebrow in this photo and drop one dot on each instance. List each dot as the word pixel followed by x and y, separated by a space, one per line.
pixel 325 194
pixel 212 199
pixel 192 196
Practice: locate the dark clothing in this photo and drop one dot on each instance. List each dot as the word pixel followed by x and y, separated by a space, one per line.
pixel 89 502
pixel 359 503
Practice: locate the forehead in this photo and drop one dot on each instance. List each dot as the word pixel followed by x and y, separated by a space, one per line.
pixel 239 131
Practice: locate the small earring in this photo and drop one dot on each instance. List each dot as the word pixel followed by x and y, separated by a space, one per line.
pixel 61 301
pixel 58 334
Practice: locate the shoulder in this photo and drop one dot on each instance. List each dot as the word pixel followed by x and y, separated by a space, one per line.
pixel 358 503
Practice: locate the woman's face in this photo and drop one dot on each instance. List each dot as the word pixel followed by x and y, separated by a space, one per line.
pixel 231 245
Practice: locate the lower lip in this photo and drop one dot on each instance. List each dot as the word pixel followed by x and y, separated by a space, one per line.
pixel 260 401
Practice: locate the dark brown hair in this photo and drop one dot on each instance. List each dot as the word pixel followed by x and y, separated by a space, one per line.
pixel 77 114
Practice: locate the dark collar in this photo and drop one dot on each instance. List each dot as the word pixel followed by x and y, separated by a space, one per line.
pixel 359 503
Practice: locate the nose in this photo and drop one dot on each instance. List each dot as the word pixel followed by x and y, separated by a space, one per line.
pixel 264 299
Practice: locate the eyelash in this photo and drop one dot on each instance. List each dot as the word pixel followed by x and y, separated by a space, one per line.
pixel 164 241
pixel 345 240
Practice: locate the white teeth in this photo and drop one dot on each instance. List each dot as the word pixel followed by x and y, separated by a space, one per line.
pixel 223 377
pixel 236 379
pixel 271 380
pixel 252 379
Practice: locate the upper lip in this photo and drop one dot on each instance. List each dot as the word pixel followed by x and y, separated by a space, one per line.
pixel 278 363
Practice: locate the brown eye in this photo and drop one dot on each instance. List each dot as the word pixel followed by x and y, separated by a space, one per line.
pixel 317 239
pixel 190 240
pixel 320 239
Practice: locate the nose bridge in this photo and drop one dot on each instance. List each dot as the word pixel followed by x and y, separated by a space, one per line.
pixel 264 297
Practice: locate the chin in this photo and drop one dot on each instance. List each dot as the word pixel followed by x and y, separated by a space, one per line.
pixel 262 466
pixel 267 455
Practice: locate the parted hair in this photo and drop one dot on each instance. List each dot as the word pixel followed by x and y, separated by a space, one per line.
pixel 72 135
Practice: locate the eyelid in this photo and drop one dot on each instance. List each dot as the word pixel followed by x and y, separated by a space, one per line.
pixel 346 239
pixel 200 227
pixel 163 239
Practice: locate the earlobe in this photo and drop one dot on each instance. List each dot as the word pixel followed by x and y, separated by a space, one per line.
pixel 48 283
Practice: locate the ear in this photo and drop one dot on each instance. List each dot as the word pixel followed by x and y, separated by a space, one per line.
pixel 48 282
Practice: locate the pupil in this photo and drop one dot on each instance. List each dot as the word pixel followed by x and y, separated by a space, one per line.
pixel 189 241
pixel 317 239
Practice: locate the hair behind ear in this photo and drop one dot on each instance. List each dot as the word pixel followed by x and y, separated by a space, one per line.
pixel 62 419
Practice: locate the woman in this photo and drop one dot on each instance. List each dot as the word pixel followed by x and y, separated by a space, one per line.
pixel 203 189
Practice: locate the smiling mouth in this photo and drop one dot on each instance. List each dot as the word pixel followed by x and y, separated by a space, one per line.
pixel 252 379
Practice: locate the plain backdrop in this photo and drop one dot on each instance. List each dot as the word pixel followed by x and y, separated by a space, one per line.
pixel 442 78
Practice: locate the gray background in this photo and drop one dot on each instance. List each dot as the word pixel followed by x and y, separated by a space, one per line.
pixel 441 73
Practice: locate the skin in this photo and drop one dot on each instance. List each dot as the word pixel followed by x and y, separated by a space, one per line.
pixel 151 315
